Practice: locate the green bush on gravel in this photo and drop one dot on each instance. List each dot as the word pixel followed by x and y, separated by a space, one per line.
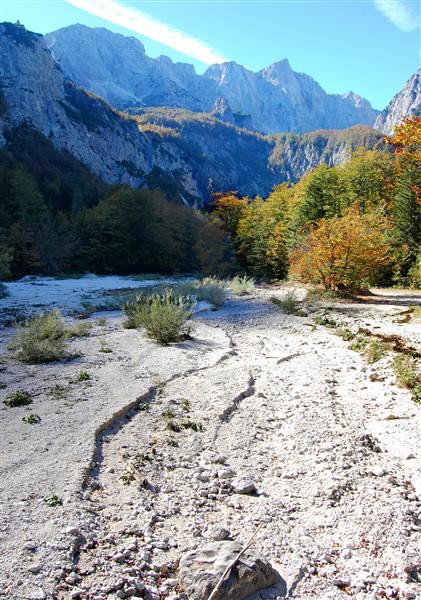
pixel 242 285
pixel 40 339
pixel 163 315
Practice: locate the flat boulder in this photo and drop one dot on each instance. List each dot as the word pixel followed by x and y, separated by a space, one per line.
pixel 201 569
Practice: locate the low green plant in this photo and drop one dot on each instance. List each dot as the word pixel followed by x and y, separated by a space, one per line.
pixel 288 304
pixel 79 330
pixel 127 478
pixel 173 426
pixel 104 348
pixel 53 500
pixel 83 376
pixel 188 424
pixel 325 322
pixel 167 414
pixel 185 404
pixel 375 350
pixel 345 334
pixel 208 289
pixel 59 391
pixel 406 372
pixel 101 321
pixel 40 339
pixel 360 344
pixel 18 398
pixel 32 419
pixel 163 315
pixel 242 285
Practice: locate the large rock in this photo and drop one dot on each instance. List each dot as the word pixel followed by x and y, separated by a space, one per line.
pixel 201 569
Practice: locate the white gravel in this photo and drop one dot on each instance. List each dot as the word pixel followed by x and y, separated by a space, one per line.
pixel 330 458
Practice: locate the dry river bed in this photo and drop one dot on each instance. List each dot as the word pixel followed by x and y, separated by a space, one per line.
pixel 147 459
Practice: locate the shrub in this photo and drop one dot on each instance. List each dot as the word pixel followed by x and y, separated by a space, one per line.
pixel 242 286
pixel 208 289
pixel 40 339
pixel 3 290
pixel 79 330
pixel 406 372
pixel 343 252
pixel 83 376
pixel 288 304
pixel 375 351
pixel 163 315
pixel 18 399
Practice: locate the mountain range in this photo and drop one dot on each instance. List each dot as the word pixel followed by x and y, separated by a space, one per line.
pixel 150 122
pixel 273 100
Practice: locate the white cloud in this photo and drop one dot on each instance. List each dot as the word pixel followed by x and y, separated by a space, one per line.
pixel 404 14
pixel 143 24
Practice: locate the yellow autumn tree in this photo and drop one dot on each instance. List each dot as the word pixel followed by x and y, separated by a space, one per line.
pixel 346 252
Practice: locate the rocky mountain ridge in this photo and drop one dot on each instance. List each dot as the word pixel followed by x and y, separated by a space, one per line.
pixel 188 153
pixel 274 99
pixel 406 103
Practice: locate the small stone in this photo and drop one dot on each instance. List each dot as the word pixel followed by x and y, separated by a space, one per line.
pixel 35 568
pixel 226 473
pixel 243 485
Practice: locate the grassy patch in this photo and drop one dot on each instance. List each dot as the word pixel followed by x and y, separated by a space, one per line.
pixel 40 339
pixel 18 399
pixel 189 424
pixel 289 304
pixel 360 343
pixel 173 426
pixel 406 372
pixel 185 404
pixel 375 350
pixel 101 322
pixel 345 334
pixel 79 330
pixel 104 348
pixel 242 285
pixel 32 419
pixel 163 316
pixel 54 500
pixel 83 376
pixel 167 414
pixel 59 391
pixel 325 322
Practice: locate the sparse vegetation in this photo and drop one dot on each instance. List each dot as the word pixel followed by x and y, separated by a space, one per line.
pixel 18 398
pixel 185 404
pixel 345 334
pixel 101 321
pixel 59 391
pixel 40 339
pixel 406 372
pixel 325 322
pixel 83 376
pixel 53 500
pixel 167 414
pixel 375 350
pixel 173 426
pixel 189 424
pixel 79 330
pixel 104 348
pixel 31 419
pixel 163 315
pixel 242 285
pixel 288 304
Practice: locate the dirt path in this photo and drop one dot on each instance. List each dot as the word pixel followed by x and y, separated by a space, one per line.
pixel 280 407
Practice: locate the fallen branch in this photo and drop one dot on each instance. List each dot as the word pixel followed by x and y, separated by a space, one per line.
pixel 231 565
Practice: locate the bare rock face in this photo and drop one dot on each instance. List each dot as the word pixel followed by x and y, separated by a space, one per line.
pixel 406 103
pixel 201 569
pixel 274 99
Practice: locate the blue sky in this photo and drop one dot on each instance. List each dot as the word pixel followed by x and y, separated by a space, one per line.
pixel 369 46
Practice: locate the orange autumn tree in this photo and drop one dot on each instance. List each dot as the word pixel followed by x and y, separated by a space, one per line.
pixel 229 208
pixel 407 138
pixel 345 252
